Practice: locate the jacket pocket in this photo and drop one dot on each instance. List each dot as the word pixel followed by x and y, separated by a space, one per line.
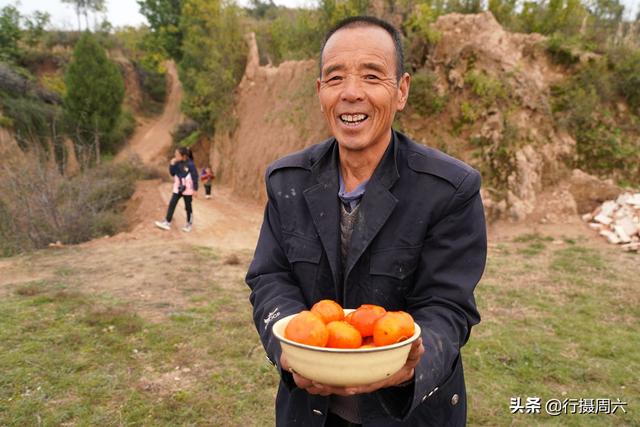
pixel 398 263
pixel 390 277
pixel 304 256
pixel 302 249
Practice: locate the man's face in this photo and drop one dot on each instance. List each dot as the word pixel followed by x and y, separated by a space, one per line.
pixel 358 88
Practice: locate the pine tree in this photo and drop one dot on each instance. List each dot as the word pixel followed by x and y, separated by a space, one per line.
pixel 95 91
pixel 10 33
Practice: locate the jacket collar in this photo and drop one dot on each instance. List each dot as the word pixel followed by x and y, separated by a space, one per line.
pixel 325 169
pixel 376 206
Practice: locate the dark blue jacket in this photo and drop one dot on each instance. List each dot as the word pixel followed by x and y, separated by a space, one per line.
pixel 182 169
pixel 420 247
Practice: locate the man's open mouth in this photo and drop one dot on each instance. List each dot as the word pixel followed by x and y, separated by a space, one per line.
pixel 353 119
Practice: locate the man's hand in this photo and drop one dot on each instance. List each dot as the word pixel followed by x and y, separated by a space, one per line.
pixel 405 374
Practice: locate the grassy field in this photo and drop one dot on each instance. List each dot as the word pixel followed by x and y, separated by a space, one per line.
pixel 560 320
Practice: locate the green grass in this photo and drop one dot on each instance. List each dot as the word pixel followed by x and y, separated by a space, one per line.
pixel 559 321
pixel 71 358
pixel 566 327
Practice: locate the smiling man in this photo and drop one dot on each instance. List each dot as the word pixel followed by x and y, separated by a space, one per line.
pixel 371 217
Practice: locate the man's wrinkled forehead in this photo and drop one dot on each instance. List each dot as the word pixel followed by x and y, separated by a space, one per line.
pixel 346 40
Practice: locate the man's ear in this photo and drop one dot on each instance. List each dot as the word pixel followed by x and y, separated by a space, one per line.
pixel 403 91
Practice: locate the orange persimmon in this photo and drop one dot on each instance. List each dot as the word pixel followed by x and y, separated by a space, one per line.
pixel 365 317
pixel 328 310
pixel 393 327
pixel 307 328
pixel 343 335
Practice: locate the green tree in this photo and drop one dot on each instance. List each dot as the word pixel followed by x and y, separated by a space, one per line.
pixel 213 59
pixel 35 27
pixel 83 7
pixel 627 77
pixel 336 10
pixel 260 9
pixel 503 10
pixel 553 16
pixel 164 20
pixel 291 35
pixel 95 90
pixel 464 6
pixel 420 33
pixel 10 33
pixel 607 10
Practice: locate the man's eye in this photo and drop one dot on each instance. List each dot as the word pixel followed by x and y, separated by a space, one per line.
pixel 334 79
pixel 371 77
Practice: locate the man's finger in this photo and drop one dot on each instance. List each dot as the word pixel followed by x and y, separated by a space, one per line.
pixel 415 347
pixel 302 382
pixel 318 391
pixel 416 352
pixel 284 364
pixel 341 391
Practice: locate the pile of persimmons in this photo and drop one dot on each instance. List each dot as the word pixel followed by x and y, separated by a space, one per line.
pixel 366 327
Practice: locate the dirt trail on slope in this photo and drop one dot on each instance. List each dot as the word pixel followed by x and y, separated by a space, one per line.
pixel 154 271
pixel 224 222
pixel 152 139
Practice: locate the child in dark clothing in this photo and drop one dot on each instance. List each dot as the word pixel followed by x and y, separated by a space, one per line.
pixel 207 176
pixel 185 185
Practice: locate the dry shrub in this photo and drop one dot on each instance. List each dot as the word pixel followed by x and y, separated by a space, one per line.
pixel 39 205
pixel 232 259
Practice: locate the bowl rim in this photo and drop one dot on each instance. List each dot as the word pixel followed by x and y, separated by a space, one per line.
pixel 416 334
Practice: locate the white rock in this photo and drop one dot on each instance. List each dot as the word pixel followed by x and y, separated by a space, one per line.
pixel 595 226
pixel 603 219
pixel 632 247
pixel 622 235
pixel 627 225
pixel 624 211
pixel 623 198
pixel 587 217
pixel 634 200
pixel 609 207
pixel 611 236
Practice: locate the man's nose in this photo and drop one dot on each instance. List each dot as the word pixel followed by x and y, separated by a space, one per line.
pixel 352 90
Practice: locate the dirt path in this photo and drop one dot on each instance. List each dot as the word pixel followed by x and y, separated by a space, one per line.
pixel 224 222
pixel 144 265
pixel 152 139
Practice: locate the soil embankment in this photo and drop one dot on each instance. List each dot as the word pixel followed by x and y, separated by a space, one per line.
pixel 276 113
pixel 490 101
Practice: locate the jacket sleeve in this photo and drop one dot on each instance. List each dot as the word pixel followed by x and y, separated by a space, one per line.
pixel 194 175
pixel 274 291
pixel 173 169
pixel 451 264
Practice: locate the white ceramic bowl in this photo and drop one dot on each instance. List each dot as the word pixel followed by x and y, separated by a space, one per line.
pixel 343 367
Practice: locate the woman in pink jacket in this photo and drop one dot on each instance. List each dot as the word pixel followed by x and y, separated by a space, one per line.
pixel 185 185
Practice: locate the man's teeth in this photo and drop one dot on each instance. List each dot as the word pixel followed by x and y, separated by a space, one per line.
pixel 352 118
